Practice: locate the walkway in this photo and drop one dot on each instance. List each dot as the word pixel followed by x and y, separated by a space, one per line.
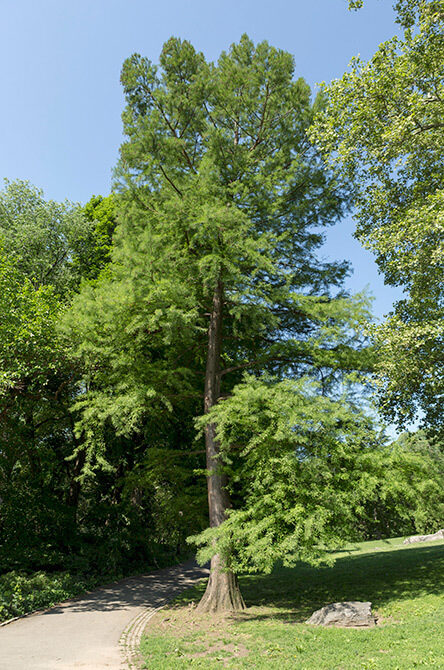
pixel 100 630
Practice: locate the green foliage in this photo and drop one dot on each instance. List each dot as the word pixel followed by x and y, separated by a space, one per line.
pixel 36 435
pixel 383 128
pixel 177 500
pixel 47 515
pixel 313 472
pixel 408 12
pixel 355 4
pixel 403 488
pixel 28 342
pixel 41 236
pixel 294 454
pixel 21 593
pixel 95 254
pixel 211 191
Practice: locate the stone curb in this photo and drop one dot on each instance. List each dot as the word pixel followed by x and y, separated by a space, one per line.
pixel 132 635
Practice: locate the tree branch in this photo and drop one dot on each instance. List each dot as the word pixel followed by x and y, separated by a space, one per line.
pixel 170 181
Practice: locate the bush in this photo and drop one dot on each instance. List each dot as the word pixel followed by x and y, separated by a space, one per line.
pixel 21 593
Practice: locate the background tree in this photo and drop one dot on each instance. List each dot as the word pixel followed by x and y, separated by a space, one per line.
pixel 49 519
pixel 95 254
pixel 383 125
pixel 403 493
pixel 215 270
pixel 43 236
pixel 37 485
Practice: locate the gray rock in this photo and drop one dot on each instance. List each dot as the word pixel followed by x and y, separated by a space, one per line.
pixel 347 614
pixel 439 535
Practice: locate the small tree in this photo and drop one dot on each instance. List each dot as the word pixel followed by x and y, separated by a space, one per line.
pixel 222 204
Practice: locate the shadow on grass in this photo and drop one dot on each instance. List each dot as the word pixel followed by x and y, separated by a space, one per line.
pixel 380 577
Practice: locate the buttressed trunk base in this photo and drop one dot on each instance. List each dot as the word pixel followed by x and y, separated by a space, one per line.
pixel 222 592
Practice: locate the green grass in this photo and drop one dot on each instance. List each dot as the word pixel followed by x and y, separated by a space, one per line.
pixel 404 584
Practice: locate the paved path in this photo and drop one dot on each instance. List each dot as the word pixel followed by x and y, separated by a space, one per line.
pixel 100 630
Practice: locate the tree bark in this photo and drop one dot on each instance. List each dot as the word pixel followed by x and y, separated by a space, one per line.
pixel 73 494
pixel 222 592
pixel 74 472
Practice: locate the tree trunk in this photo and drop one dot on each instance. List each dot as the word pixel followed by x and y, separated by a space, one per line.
pixel 73 494
pixel 34 461
pixel 222 592
pixel 74 472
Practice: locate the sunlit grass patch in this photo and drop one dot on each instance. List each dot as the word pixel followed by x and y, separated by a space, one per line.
pixel 404 583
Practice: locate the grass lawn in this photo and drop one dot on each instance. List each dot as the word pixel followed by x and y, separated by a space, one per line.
pixel 404 583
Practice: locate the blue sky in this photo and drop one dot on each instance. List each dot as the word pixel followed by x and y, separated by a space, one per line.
pixel 60 121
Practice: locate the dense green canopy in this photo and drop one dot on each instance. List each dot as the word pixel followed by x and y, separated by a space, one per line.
pixel 222 201
pixel 383 127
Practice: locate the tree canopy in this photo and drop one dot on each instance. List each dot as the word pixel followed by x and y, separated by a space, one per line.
pixel 383 127
pixel 43 236
pixel 215 268
pixel 50 515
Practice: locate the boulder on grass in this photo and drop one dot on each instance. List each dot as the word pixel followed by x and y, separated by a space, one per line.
pixel 439 535
pixel 351 614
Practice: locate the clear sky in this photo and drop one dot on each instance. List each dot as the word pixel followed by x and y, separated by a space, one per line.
pixel 60 121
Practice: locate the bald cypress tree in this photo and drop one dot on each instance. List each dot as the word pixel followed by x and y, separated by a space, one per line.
pixel 215 271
